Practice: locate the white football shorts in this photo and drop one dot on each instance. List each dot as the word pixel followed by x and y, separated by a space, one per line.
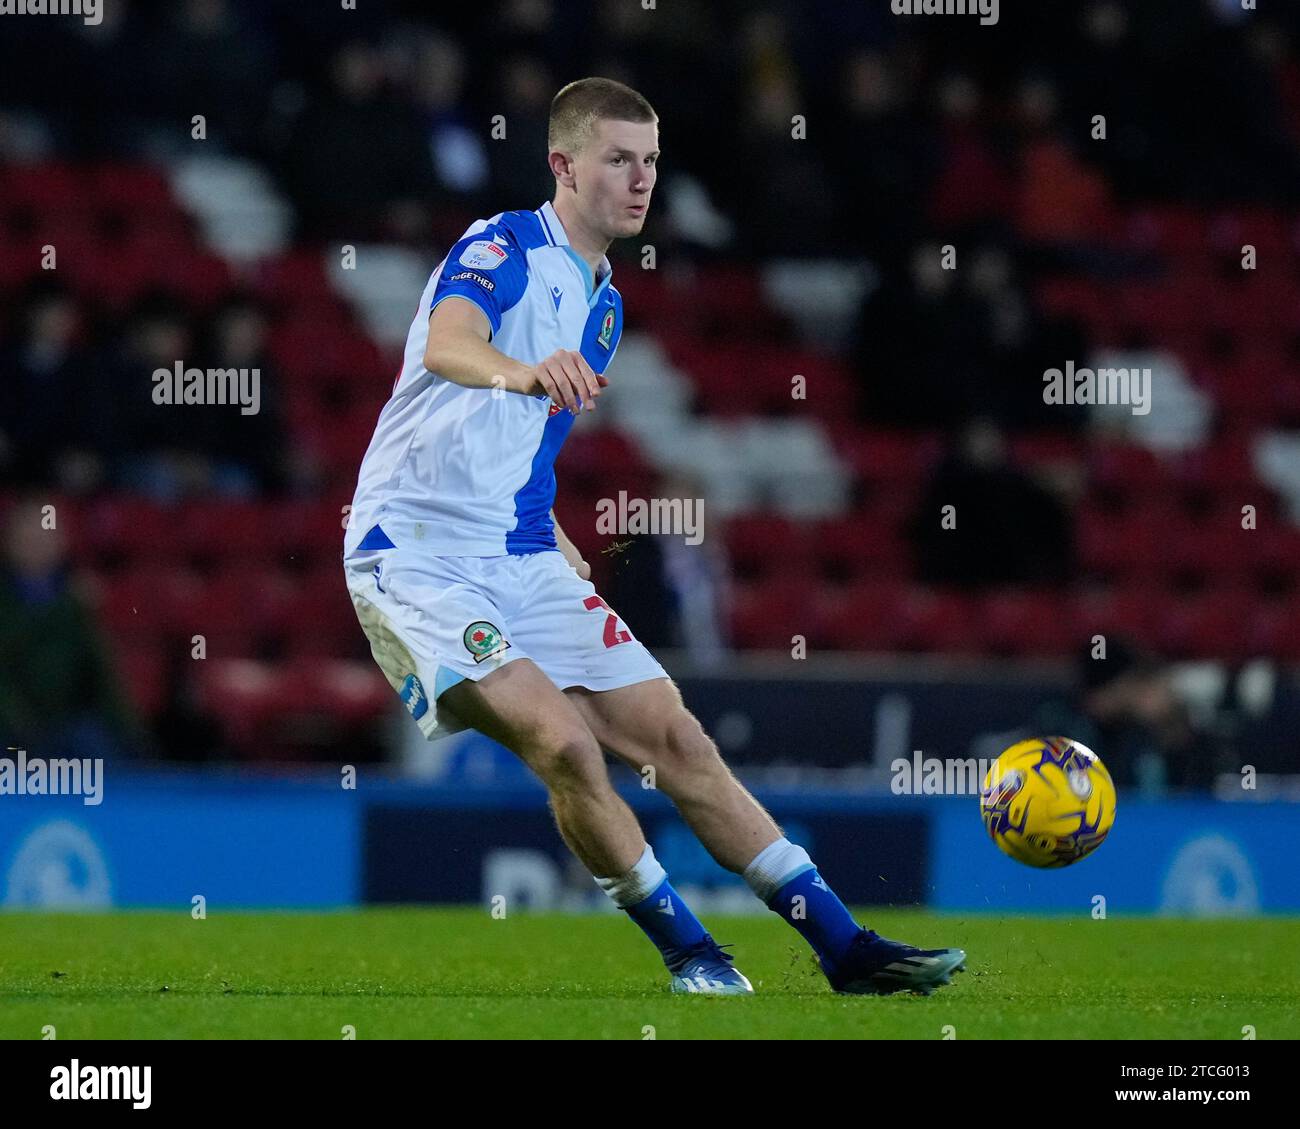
pixel 434 621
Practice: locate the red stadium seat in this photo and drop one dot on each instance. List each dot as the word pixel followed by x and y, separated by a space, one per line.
pixel 246 696
pixel 154 602
pixel 1171 229
pixel 1079 298
pixel 866 543
pixel 1273 629
pixel 858 616
pixel 769 613
pixel 131 189
pixel 1118 544
pixel 1017 622
pixel 294 279
pixel 121 525
pixel 939 620
pixel 1128 611
pixel 1208 625
pixel 321 618
pixel 44 188
pixel 770 545
pixel 888 457
pixel 220 529
pixel 144 675
pixel 1224 468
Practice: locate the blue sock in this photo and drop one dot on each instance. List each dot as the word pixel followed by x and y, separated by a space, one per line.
pixel 650 900
pixel 668 922
pixel 784 877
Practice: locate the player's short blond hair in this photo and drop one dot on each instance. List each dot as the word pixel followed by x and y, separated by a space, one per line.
pixel 577 108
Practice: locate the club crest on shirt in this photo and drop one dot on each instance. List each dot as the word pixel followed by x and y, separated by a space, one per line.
pixel 606 330
pixel 483 640
pixel 482 254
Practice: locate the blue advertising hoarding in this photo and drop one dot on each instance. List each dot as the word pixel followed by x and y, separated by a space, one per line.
pixel 1188 856
pixel 160 840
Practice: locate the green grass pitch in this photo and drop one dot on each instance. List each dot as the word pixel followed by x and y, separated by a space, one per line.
pixel 458 973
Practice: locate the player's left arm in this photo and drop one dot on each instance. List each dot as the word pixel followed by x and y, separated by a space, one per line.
pixel 570 551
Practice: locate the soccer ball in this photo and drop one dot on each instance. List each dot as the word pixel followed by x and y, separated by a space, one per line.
pixel 1048 801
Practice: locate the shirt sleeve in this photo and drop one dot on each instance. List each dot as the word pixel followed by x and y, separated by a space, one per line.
pixel 488 269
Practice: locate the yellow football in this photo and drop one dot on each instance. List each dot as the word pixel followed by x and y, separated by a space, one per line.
pixel 1048 801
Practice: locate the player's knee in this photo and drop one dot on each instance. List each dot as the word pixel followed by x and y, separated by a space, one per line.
pixel 684 751
pixel 568 760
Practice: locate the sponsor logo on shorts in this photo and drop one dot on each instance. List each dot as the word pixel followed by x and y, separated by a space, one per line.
pixel 486 283
pixel 413 697
pixel 483 640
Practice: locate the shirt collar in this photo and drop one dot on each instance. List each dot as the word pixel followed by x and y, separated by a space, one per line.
pixel 555 232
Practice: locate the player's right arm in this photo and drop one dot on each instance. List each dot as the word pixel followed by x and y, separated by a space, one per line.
pixel 458 349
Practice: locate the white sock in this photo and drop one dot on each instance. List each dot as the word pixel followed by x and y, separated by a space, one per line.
pixel 774 866
pixel 637 884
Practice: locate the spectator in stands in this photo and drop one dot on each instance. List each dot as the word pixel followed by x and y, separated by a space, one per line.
pixel 890 162
pixel 50 417
pixel 1061 200
pixel 913 373
pixel 148 455
pixel 1124 709
pixel 457 147
pixel 790 204
pixel 58 693
pixel 526 90
pixel 671 593
pixel 171 452
pixel 249 454
pixel 971 183
pixel 1004 527
pixel 213 55
pixel 358 161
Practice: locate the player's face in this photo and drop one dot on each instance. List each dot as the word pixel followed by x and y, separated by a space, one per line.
pixel 615 175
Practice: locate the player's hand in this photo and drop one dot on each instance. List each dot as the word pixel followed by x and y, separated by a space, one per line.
pixel 568 380
pixel 571 554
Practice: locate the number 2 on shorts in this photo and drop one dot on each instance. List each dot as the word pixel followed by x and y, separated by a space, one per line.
pixel 613 636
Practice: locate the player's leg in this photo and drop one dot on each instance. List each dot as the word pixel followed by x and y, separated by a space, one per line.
pixel 651 729
pixel 518 706
pixel 435 627
pixel 647 724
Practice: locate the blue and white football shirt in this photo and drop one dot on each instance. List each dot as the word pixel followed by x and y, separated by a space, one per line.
pixel 470 471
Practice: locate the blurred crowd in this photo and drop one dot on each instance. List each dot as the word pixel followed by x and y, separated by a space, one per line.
pixel 59 428
pixel 932 123
pixel 916 133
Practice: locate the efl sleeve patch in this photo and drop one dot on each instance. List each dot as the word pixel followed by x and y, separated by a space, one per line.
pixel 483 254
pixel 487 272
